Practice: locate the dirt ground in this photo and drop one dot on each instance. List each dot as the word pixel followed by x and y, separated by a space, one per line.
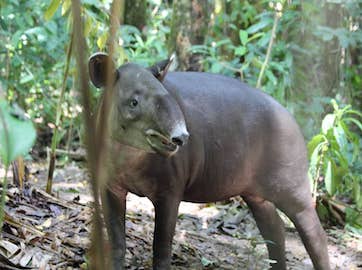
pixel 52 233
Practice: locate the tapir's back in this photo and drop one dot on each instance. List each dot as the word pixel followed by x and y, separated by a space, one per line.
pixel 239 135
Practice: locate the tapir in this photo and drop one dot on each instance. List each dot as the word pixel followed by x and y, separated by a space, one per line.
pixel 201 137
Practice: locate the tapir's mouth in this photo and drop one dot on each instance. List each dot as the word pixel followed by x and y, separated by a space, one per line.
pixel 160 143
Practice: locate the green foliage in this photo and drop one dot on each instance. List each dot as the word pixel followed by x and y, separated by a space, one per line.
pixel 244 54
pixel 17 133
pixel 335 153
pixel 32 59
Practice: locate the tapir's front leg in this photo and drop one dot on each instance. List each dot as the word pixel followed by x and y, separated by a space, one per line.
pixel 166 210
pixel 114 207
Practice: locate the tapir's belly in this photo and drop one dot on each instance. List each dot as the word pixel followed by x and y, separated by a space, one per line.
pixel 215 191
pixel 225 170
pixel 219 183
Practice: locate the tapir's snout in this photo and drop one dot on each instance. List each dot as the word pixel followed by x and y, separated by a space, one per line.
pixel 180 139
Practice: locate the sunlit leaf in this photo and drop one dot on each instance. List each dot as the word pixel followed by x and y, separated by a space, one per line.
pixel 101 41
pixel 26 78
pixel 240 51
pixel 328 179
pixel 316 140
pixel 49 13
pixel 328 122
pixel 17 134
pixel 314 160
pixel 340 137
pixel 243 35
pixel 65 7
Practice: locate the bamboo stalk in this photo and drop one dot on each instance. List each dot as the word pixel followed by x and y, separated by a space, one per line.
pixel 57 120
pixel 270 46
pixel 95 141
pixel 6 163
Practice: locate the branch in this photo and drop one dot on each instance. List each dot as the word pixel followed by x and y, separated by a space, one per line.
pixel 270 46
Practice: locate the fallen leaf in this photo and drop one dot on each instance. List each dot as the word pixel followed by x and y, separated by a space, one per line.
pixel 9 247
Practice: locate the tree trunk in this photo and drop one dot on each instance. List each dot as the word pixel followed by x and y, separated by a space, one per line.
pixel 318 72
pixel 331 60
pixel 189 27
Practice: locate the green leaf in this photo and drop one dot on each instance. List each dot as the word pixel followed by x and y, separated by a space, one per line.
pixel 340 137
pixel 101 41
pixel 26 78
pixel 139 41
pixel 17 134
pixel 355 121
pixel 354 218
pixel 323 212
pixel 271 77
pixel 342 159
pixel 357 191
pixel 355 112
pixel 258 26
pixel 49 13
pixel 314 160
pixel 316 140
pixel 243 35
pixel 255 36
pixel 240 51
pixel 65 7
pixel 328 179
pixel 206 262
pixel 328 122
pixel 222 42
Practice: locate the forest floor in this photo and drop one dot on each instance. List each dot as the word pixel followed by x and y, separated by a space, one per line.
pixel 52 232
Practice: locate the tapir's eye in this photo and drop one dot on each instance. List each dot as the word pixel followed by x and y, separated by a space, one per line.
pixel 133 103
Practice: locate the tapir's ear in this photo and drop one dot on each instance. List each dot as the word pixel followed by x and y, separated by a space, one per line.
pixel 97 65
pixel 159 70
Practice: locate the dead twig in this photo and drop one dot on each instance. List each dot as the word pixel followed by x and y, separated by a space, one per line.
pixel 53 199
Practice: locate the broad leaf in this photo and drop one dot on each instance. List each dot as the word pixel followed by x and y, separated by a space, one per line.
pixel 243 35
pixel 66 6
pixel 328 179
pixel 314 160
pixel 328 122
pixel 355 121
pixel 49 13
pixel 317 139
pixel 17 134
pixel 260 25
pixel 240 51
pixel 340 137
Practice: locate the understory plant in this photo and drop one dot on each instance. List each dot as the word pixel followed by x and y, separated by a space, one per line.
pixel 17 135
pixel 335 159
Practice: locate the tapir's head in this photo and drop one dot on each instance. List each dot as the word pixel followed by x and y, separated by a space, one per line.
pixel 144 114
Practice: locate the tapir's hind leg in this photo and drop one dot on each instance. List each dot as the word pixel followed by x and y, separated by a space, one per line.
pixel 313 236
pixel 271 228
pixel 297 203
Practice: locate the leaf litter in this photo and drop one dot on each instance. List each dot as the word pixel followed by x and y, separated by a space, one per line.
pixel 52 232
